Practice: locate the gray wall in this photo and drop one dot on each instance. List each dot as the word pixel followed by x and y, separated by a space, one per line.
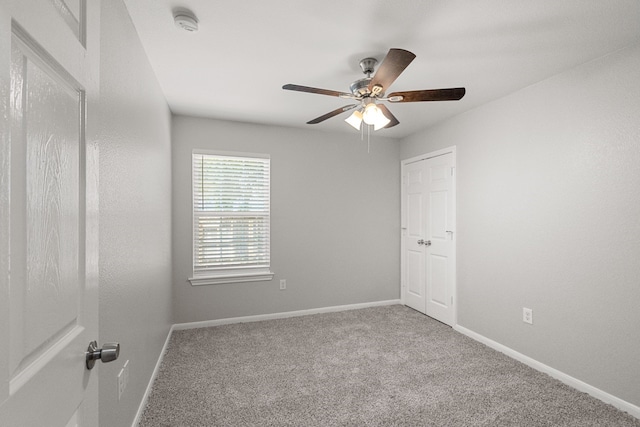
pixel 549 218
pixel 334 219
pixel 135 214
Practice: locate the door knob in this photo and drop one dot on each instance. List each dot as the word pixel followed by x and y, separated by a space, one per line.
pixel 108 353
pixel 420 242
pixel 424 242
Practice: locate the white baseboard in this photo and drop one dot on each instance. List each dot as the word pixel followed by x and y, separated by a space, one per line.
pixel 154 374
pixel 561 376
pixel 283 315
pixel 193 325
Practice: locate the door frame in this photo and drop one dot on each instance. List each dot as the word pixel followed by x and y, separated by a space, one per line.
pixel 403 223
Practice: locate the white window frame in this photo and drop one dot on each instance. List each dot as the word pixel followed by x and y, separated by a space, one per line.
pixel 226 275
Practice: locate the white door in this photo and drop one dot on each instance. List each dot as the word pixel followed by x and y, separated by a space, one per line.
pixel 440 266
pixel 48 212
pixel 415 180
pixel 428 236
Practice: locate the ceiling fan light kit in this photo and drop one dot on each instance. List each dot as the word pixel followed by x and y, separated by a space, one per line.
pixel 373 116
pixel 355 119
pixel 369 91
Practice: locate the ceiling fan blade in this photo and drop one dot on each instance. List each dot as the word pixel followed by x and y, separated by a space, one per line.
pixel 452 94
pixel 388 115
pixel 392 66
pixel 332 114
pixel 308 89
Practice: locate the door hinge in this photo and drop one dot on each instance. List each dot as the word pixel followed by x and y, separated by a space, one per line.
pixel 452 171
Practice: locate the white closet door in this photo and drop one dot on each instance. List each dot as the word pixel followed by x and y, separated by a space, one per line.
pixel 428 236
pixel 440 266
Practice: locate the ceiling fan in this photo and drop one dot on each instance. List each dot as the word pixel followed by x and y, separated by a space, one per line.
pixel 370 91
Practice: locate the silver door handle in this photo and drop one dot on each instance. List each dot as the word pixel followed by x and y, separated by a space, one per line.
pixel 108 353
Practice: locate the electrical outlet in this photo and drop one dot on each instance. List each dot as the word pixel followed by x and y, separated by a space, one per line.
pixel 527 315
pixel 283 284
pixel 121 384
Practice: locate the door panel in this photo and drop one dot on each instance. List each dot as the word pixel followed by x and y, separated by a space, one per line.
pixel 415 278
pixel 71 12
pixel 47 135
pixel 415 204
pixel 438 214
pixel 437 267
pixel 49 185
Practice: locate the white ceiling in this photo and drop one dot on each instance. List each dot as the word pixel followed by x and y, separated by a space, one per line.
pixel 234 67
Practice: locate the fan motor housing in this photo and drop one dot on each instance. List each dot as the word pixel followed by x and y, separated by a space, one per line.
pixel 360 87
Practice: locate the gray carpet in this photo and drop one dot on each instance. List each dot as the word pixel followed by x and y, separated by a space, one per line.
pixel 382 366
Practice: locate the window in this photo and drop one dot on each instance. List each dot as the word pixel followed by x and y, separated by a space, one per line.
pixel 230 218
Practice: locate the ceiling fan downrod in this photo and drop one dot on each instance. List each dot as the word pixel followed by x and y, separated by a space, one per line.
pixel 360 88
pixel 368 65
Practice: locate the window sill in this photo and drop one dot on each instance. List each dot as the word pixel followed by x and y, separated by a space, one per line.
pixel 231 278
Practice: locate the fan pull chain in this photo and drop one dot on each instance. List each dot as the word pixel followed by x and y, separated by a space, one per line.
pixel 368 139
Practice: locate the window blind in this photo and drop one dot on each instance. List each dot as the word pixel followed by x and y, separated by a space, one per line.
pixel 230 213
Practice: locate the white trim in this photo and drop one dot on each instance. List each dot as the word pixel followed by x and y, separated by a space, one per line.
pixel 231 278
pixel 239 274
pixel 154 374
pixel 454 236
pixel 282 315
pixel 561 376
pixel 430 155
pixel 228 321
pixel 238 154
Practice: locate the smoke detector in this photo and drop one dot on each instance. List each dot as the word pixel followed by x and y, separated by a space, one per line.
pixel 186 20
